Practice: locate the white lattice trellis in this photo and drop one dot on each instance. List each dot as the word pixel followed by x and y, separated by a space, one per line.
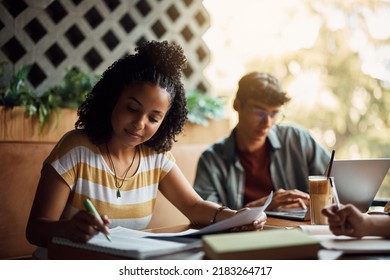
pixel 54 35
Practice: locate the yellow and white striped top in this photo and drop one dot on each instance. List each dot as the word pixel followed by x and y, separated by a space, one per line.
pixel 79 162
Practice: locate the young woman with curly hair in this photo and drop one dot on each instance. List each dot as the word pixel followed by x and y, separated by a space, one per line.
pixel 119 155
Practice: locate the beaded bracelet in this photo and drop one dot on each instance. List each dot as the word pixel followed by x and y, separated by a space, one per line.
pixel 212 221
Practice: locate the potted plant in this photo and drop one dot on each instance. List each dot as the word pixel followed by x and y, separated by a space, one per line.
pixel 206 119
pixel 202 107
pixel 17 99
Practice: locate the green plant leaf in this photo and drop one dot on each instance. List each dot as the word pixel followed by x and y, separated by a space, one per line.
pixel 70 93
pixel 203 107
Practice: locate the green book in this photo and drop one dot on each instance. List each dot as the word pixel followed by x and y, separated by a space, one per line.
pixel 280 244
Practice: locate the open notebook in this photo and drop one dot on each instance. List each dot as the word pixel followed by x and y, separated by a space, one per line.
pixel 132 244
pixel 135 244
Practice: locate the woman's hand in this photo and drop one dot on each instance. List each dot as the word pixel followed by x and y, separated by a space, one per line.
pixel 254 226
pixel 347 220
pixel 84 225
pixel 284 199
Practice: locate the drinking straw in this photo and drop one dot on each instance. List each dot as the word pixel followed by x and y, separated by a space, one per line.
pixel 330 163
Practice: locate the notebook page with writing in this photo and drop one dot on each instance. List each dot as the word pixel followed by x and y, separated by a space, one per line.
pixel 131 244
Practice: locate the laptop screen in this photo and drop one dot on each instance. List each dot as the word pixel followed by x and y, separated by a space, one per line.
pixel 358 180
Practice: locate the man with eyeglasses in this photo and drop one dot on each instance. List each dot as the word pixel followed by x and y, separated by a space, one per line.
pixel 260 155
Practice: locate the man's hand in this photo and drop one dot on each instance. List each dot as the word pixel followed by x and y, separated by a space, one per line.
pixel 284 199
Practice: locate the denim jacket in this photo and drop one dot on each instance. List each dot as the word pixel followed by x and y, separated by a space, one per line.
pixel 294 153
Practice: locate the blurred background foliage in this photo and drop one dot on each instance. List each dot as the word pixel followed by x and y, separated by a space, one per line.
pixel 340 84
pixel 203 107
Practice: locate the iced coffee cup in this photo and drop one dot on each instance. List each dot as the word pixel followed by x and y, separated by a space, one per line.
pixel 320 197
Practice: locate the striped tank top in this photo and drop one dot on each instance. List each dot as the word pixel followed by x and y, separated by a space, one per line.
pixel 79 162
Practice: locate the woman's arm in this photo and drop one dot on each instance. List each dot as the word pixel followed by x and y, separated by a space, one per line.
pixel 176 188
pixel 379 225
pixel 50 200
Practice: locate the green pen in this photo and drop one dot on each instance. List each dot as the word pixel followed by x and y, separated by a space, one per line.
pixel 91 209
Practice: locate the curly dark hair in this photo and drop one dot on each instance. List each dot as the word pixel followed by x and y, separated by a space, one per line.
pixel 157 63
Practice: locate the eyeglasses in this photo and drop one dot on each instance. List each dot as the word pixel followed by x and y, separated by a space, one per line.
pixel 262 115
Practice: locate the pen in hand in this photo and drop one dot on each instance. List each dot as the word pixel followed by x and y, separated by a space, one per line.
pixel 332 183
pixel 335 196
pixel 90 208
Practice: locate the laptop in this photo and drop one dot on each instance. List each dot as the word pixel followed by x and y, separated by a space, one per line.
pixel 357 182
pixel 297 214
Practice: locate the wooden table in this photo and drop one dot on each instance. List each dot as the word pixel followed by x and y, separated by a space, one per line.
pixel 60 252
pixel 283 223
pixel 56 251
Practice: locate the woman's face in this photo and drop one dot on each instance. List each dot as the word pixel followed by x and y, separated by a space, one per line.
pixel 138 113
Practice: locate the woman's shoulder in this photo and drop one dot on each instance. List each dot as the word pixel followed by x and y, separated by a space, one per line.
pixel 71 144
pixel 75 138
pixel 75 133
pixel 151 153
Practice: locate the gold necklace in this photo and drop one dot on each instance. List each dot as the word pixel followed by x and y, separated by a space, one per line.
pixel 118 193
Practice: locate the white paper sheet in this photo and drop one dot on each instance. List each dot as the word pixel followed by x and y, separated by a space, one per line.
pixel 240 219
pixel 346 244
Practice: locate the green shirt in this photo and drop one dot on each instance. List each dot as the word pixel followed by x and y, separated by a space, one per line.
pixel 295 155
